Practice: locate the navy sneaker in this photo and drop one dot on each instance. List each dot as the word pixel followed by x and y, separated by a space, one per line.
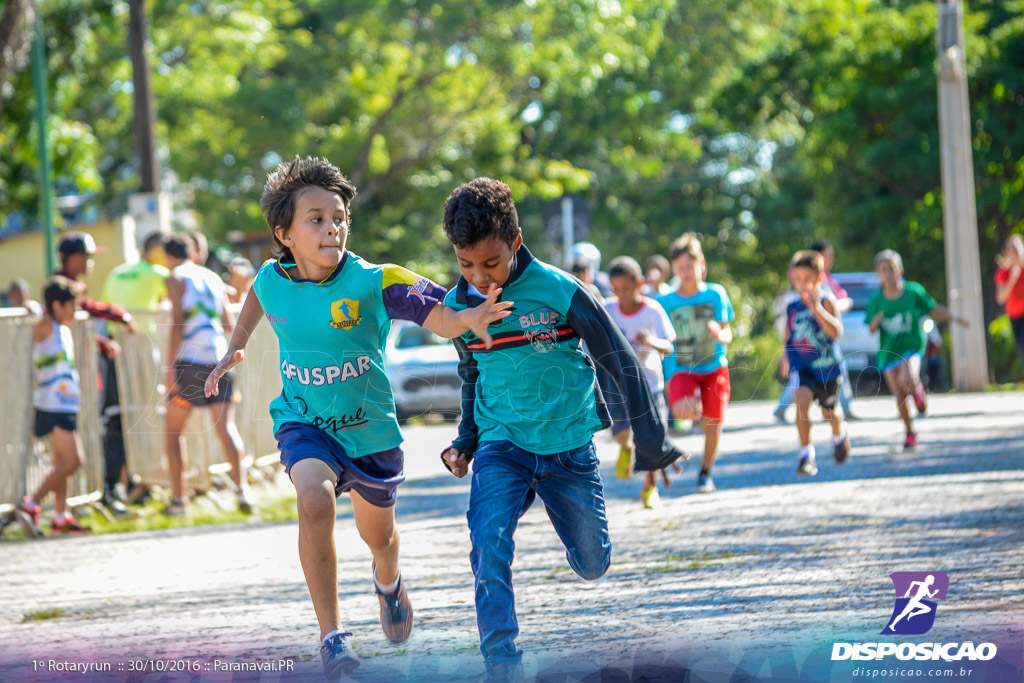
pixel 395 613
pixel 841 450
pixel 338 656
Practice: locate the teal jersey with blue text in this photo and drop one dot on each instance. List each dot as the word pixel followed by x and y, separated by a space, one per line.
pixel 332 336
pixel 535 387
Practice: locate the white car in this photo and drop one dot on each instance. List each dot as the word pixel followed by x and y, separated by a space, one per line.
pixel 859 345
pixel 424 372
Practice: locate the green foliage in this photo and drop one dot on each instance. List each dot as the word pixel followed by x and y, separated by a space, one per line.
pixel 754 367
pixel 1003 358
pixel 762 125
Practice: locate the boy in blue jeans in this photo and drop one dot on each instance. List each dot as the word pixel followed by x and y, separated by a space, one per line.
pixel 530 407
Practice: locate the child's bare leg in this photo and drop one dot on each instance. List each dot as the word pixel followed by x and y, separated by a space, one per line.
pixel 712 434
pixel 377 528
pixel 68 455
pixel 650 480
pixel 686 409
pixel 314 485
pixel 804 397
pixel 622 437
pixel 230 439
pixel 174 443
pixel 833 419
pixel 898 386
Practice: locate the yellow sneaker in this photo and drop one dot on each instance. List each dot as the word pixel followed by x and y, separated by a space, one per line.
pixel 624 467
pixel 651 498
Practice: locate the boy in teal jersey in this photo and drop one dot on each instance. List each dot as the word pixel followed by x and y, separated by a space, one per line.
pixel 530 406
pixel 698 369
pixel 335 418
pixel 895 311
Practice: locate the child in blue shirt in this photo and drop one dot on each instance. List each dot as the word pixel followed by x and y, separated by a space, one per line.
pixel 698 368
pixel 335 418
pixel 530 406
pixel 813 324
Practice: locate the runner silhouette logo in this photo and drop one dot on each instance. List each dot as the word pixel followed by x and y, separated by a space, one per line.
pixel 916 593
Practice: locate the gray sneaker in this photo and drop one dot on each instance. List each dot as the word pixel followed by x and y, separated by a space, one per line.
pixel 807 467
pixel 338 656
pixel 175 508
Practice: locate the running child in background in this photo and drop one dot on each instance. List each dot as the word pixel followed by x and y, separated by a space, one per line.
pixel 57 399
pixel 335 418
pixel 649 332
pixel 896 311
pixel 813 324
pixel 1010 287
pixel 698 370
pixel 200 322
pixel 530 409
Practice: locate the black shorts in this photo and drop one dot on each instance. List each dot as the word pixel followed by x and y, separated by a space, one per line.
pixel 191 379
pixel 825 393
pixel 47 420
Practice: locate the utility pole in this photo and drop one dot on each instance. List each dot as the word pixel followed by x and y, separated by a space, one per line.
pixel 145 115
pixel 42 123
pixel 963 266
pixel 150 208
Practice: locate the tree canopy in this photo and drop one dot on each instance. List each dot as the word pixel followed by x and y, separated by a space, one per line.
pixel 761 125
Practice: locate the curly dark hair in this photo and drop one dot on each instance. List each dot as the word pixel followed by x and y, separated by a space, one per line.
pixel 478 210
pixel 288 180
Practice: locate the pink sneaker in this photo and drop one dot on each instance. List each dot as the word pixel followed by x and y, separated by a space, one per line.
pixel 31 509
pixel 68 526
pixel 921 399
pixel 910 442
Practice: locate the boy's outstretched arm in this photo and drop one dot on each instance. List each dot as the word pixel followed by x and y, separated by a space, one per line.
pixel 449 323
pixel 457 456
pixel 612 352
pixel 248 318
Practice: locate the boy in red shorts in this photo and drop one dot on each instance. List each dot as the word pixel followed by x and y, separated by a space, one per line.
pixel 698 369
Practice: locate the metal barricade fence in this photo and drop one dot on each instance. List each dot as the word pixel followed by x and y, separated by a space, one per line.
pixel 16 404
pixel 24 462
pixel 141 372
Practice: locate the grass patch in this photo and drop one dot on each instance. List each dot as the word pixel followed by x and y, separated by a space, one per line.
pixel 203 513
pixel 44 614
pixel 685 563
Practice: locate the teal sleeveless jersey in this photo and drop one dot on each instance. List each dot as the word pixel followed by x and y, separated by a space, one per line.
pixel 332 336
pixel 535 385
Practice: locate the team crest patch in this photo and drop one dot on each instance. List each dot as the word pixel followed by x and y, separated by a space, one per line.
pixel 544 339
pixel 345 314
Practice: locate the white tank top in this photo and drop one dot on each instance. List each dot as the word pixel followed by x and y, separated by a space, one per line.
pixel 203 341
pixel 58 389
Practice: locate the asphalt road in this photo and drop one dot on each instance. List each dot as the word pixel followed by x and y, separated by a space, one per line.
pixel 769 564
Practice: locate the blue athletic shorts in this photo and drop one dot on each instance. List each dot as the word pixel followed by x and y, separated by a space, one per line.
pixel 896 363
pixel 375 476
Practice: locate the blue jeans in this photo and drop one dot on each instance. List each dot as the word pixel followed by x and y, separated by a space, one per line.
pixel 506 480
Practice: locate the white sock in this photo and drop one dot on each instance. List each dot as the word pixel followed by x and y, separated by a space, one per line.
pixel 331 635
pixel 387 589
pixel 807 452
pixel 65 516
